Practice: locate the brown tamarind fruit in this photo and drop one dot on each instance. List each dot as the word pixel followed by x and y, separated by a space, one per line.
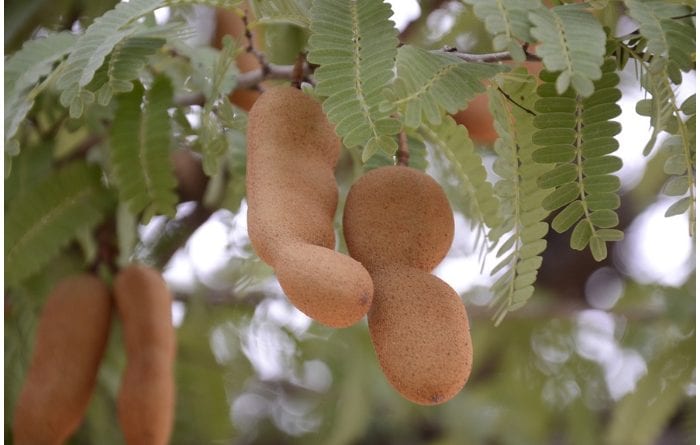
pixel 399 225
pixel 146 398
pixel 70 341
pixel 230 23
pixel 292 198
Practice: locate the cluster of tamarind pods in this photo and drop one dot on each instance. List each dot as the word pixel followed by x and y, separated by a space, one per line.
pixel 70 341
pixel 398 226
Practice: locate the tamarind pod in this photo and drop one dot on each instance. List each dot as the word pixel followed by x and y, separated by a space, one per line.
pixel 324 284
pixel 146 398
pixel 70 341
pixel 420 333
pixel 229 23
pixel 397 215
pixel 477 117
pixel 399 224
pixel 292 198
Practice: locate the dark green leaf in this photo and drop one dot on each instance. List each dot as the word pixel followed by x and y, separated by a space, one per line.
pixel 604 200
pixel 568 217
pixel 560 175
pixel 561 196
pixel 581 235
pixel 604 218
pixel 678 207
pixel 554 154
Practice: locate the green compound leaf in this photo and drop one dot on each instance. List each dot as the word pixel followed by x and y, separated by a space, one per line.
pixel 452 141
pixel 572 43
pixel 23 71
pixel 43 220
pixel 99 40
pixel 680 165
pixel 354 44
pixel 292 12
pixel 429 84
pixel 122 66
pixel 584 183
pixel 668 38
pixel 140 142
pixel 507 21
pixel 521 199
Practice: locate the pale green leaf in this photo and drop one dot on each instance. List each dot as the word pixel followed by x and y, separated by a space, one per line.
pixel 354 43
pixel 140 142
pixel 43 220
pixel 572 43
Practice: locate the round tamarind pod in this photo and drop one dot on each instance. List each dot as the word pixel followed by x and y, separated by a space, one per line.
pixel 398 215
pixel 292 198
pixel 146 398
pixel 70 341
pixel 420 333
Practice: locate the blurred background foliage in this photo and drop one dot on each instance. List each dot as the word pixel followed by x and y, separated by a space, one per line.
pixel 603 353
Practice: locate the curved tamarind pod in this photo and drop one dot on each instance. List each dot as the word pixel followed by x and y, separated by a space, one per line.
pixel 398 215
pixel 292 198
pixel 399 224
pixel 146 398
pixel 420 332
pixel 70 342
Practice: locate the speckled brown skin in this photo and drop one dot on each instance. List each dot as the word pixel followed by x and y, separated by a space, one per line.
pixel 70 341
pixel 146 399
pixel 420 332
pixel 292 198
pixel 398 223
pixel 398 215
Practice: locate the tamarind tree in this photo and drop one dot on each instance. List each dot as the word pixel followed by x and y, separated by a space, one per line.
pixel 125 132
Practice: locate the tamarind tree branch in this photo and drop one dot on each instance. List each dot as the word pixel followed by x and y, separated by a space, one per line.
pixel 402 154
pixel 251 47
pixel 500 56
pixel 271 71
pixel 174 235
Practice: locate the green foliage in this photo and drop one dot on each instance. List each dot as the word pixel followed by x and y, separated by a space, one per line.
pixel 680 165
pixel 661 106
pixel 99 40
pixel 578 135
pixel 354 44
pixel 523 226
pixel 140 142
pixel 639 418
pixel 452 141
pixel 573 42
pixel 294 12
pixel 123 66
pixel 153 91
pixel 24 71
pixel 666 37
pixel 507 21
pixel 430 84
pixel 46 218
pixel 670 44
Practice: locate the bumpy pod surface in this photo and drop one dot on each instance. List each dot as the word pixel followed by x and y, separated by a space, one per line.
pixel 70 341
pixel 399 224
pixel 146 399
pixel 420 332
pixel 398 215
pixel 292 199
